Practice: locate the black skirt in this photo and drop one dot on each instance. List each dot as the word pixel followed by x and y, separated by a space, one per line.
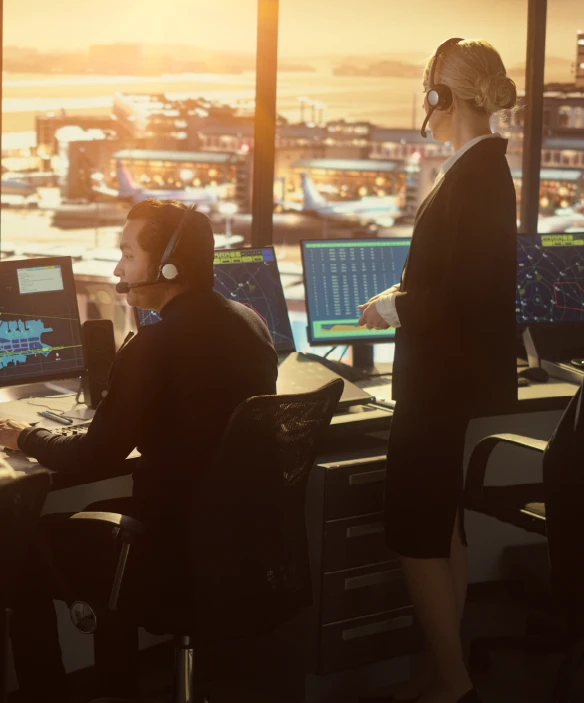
pixel 424 483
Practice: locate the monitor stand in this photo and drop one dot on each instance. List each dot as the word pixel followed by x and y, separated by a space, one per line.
pixel 362 367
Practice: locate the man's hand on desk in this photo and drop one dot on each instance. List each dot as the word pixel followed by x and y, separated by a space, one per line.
pixel 9 433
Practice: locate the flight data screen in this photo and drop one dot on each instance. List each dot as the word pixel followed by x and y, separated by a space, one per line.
pixel 250 277
pixel 550 278
pixel 40 332
pixel 341 274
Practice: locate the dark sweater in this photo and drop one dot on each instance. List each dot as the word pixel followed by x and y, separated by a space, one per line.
pixel 456 343
pixel 171 392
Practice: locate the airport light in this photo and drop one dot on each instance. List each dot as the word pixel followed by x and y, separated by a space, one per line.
pixel 228 209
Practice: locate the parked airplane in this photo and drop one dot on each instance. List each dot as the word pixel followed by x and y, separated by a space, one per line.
pixel 378 211
pixel 15 186
pixel 130 190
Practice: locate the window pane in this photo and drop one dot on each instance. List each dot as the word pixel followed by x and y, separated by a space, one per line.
pixel 351 105
pixel 561 204
pixel 122 100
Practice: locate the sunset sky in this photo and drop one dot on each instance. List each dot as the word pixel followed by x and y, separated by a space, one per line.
pixel 307 27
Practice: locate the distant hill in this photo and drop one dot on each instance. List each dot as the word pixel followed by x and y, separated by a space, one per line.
pixel 556 70
pixel 393 69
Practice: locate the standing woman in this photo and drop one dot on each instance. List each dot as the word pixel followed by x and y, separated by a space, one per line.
pixel 454 348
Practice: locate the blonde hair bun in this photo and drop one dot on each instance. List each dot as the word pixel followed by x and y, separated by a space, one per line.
pixel 496 92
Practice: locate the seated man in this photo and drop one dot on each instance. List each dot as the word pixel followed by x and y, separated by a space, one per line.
pixel 171 392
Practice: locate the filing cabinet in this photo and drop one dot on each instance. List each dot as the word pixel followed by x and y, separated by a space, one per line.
pixel 363 610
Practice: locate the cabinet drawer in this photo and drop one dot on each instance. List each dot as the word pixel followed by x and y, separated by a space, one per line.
pixel 365 591
pixel 358 541
pixel 354 488
pixel 349 644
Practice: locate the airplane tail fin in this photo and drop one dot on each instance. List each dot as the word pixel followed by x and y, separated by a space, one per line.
pixel 126 183
pixel 313 200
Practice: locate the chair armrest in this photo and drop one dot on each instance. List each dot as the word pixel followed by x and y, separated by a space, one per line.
pixel 129 528
pixel 477 465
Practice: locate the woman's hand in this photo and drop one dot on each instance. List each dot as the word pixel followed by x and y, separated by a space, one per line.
pixel 393 289
pixel 371 318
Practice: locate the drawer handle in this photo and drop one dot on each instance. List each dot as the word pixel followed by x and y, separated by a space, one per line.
pixel 367 477
pixel 377 628
pixel 361 530
pixel 373 579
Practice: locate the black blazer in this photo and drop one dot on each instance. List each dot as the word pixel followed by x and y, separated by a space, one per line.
pixel 456 343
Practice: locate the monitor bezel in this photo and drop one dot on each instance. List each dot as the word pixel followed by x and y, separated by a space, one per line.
pixel 341 342
pixel 521 326
pixel 279 278
pixel 67 263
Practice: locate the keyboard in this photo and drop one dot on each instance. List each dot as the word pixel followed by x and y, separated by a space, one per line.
pixel 71 430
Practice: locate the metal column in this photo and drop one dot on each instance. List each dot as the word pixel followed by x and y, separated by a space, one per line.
pixel 265 123
pixel 533 123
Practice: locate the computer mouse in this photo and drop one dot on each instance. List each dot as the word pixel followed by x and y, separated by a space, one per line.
pixel 578 363
pixel 534 373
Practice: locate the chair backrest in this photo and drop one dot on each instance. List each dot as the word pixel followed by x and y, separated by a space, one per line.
pixel 21 502
pixel 251 564
pixel 563 478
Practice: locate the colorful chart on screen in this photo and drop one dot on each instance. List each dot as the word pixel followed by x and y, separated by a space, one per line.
pixel 341 274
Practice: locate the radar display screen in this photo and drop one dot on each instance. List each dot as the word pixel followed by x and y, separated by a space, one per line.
pixel 550 279
pixel 250 277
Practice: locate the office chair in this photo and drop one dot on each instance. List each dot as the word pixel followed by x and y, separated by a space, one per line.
pixel 248 568
pixel 552 508
pixel 21 502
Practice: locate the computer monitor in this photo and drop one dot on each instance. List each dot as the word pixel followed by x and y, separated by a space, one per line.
pixel 251 277
pixel 339 275
pixel 40 332
pixel 550 279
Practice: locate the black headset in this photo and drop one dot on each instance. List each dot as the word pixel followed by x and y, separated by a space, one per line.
pixel 438 95
pixel 169 270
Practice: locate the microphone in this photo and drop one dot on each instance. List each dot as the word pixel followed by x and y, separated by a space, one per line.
pixel 127 287
pixel 423 130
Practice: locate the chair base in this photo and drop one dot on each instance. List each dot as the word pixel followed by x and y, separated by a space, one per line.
pixel 185 690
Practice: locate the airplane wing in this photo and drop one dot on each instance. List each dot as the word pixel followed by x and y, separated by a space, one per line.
pixel 289 205
pixel 107 193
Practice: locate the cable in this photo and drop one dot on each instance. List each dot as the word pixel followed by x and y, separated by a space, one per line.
pixel 61 395
pixel 329 352
pixel 58 411
pixel 344 352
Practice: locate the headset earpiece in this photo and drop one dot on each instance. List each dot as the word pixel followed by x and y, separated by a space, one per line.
pixel 440 97
pixel 169 272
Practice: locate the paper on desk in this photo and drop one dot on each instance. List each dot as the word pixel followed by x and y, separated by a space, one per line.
pixel 6 472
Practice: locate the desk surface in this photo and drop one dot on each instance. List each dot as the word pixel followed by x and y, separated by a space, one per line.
pixel 24 402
